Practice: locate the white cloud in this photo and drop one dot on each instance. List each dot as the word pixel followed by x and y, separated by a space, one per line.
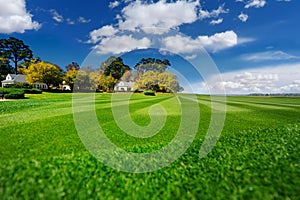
pixel 98 34
pixel 83 20
pixel 203 14
pixel 255 3
pixel 268 55
pixel 15 18
pixel 70 22
pixel 121 44
pixel 219 41
pixel 269 79
pixel 214 43
pixel 113 4
pixel 284 0
pixel 56 16
pixel 243 17
pixel 218 21
pixel 159 17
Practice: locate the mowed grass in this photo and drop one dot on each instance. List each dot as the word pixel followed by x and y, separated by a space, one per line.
pixel 256 157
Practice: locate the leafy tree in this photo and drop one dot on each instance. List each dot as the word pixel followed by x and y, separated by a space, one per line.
pixel 105 64
pixel 5 68
pixel 116 68
pixel 70 78
pixel 15 50
pixel 82 81
pixel 148 81
pixel 156 81
pixel 127 76
pixel 168 82
pixel 72 66
pixel 25 64
pixel 107 83
pixel 44 72
pixel 94 79
pixel 151 64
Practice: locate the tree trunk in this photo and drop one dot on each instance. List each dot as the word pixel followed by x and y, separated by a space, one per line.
pixel 16 67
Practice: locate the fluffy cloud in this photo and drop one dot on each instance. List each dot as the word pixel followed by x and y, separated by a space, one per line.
pixel 56 16
pixel 114 4
pixel 269 79
pixel 203 14
pixel 121 44
pixel 255 3
pixel 15 18
pixel 159 17
pixel 214 43
pixel 218 21
pixel 268 55
pixel 98 34
pixel 243 17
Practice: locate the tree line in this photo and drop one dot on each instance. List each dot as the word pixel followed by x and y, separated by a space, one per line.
pixel 148 73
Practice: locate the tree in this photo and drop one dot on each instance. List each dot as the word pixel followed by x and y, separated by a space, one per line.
pixel 168 82
pixel 151 64
pixel 127 76
pixel 107 83
pixel 116 68
pixel 70 78
pixel 44 72
pixel 72 66
pixel 94 79
pixel 5 68
pixel 156 81
pixel 15 50
pixel 25 64
pixel 82 81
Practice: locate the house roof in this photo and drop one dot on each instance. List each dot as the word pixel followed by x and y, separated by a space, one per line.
pixel 19 78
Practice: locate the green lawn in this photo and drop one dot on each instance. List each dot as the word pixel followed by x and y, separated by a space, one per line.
pixel 256 157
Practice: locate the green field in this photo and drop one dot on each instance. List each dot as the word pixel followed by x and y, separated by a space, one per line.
pixel 256 157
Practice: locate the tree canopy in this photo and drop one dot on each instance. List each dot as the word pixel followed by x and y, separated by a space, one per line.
pixel 151 64
pixel 44 72
pixel 156 81
pixel 5 68
pixel 152 74
pixel 72 66
pixel 15 50
pixel 116 68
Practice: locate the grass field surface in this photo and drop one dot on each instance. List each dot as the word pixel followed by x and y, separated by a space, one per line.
pixel 256 157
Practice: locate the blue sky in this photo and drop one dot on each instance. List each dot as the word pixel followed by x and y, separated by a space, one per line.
pixel 254 43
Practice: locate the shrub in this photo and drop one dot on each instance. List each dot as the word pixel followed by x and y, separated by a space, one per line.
pixel 149 93
pixel 19 85
pixel 33 91
pixel 16 94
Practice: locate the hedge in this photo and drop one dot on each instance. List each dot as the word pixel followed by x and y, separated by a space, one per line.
pixel 149 93
pixel 17 94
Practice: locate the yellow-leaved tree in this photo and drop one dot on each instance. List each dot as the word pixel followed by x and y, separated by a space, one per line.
pixel 44 72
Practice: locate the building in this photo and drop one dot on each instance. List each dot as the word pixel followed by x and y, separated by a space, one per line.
pixel 41 86
pixel 13 79
pixel 20 78
pixel 123 86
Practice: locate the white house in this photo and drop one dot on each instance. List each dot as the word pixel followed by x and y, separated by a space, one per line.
pixel 14 78
pixel 123 86
pixel 20 78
